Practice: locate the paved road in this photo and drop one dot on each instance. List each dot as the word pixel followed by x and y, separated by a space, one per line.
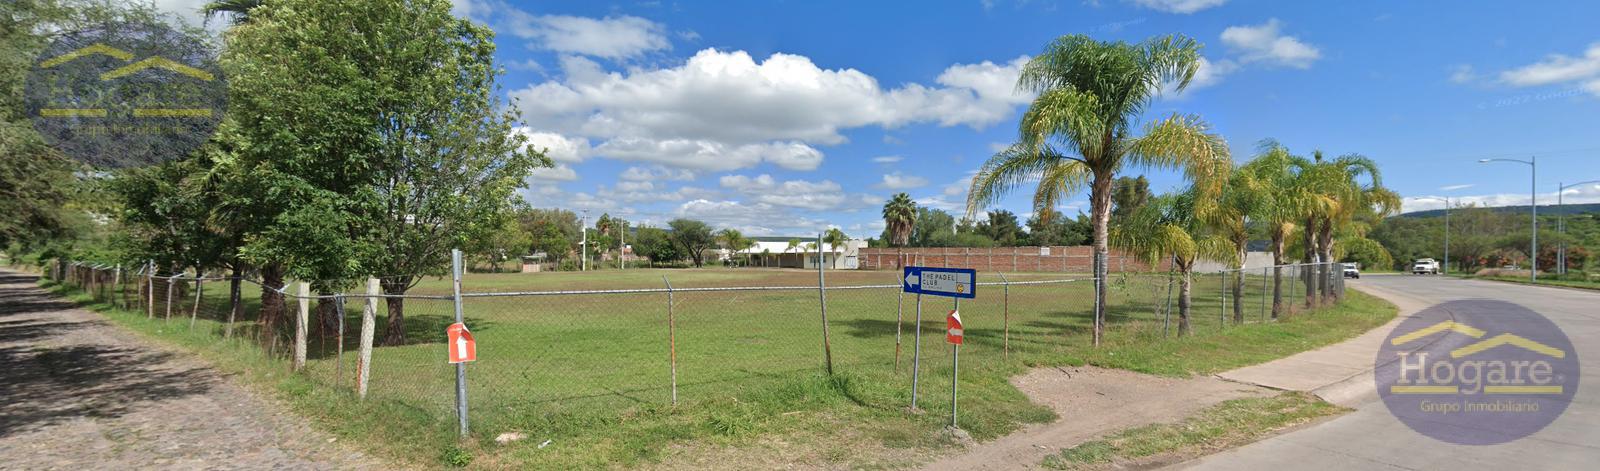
pixel 79 393
pixel 1371 438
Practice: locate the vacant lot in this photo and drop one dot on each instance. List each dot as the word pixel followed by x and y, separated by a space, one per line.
pixel 593 373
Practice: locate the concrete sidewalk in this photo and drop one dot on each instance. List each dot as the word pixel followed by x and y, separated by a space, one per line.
pixel 1339 373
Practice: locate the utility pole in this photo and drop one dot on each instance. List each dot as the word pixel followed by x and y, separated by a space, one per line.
pixel 1533 192
pixel 622 248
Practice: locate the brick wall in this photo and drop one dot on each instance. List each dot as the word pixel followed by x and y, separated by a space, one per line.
pixel 1076 259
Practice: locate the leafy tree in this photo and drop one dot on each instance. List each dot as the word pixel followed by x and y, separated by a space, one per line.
pixel 734 241
pixel 1340 197
pixel 835 239
pixel 236 11
pixel 1091 95
pixel 899 217
pixel 1001 228
pixel 382 133
pixel 1275 170
pixel 657 245
pixel 693 238
pixel 1050 227
pixel 1128 194
pixel 933 228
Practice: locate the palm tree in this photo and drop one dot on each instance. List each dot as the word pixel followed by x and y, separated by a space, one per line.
pixel 1078 132
pixel 1236 207
pixel 899 216
pixel 835 239
pixel 1338 196
pixel 1275 168
pixel 1168 226
pixel 237 11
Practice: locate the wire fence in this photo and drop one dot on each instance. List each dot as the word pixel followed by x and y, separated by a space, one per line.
pixel 575 356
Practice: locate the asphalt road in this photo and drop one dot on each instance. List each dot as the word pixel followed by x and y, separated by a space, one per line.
pixel 1372 438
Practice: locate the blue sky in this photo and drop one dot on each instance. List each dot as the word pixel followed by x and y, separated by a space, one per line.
pixel 785 117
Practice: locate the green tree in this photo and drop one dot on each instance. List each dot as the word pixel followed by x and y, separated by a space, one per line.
pixel 734 241
pixel 899 217
pixel 933 228
pixel 1338 198
pixel 1002 228
pixel 693 239
pixel 1275 169
pixel 835 239
pixel 1050 227
pixel 1167 228
pixel 1079 131
pixel 1128 194
pixel 236 11
pixel 382 133
pixel 657 245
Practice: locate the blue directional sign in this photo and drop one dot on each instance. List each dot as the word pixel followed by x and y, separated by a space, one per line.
pixel 949 282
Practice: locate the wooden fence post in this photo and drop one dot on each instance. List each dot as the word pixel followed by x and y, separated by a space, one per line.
pixel 300 326
pixel 369 316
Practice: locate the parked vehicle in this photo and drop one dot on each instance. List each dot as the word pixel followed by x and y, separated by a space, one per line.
pixel 1425 266
pixel 1352 270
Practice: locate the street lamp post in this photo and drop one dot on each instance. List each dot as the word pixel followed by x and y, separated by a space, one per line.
pixel 1533 191
pixel 1561 223
pixel 583 245
pixel 1446 201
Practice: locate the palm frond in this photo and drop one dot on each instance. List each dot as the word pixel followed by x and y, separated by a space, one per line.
pixel 1006 170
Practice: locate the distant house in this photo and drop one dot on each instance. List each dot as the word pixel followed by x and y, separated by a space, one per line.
pixel 775 253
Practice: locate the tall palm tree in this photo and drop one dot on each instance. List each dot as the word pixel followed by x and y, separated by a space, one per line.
pixel 1238 205
pixel 899 216
pixel 1275 168
pixel 835 239
pixel 733 240
pixel 1338 196
pixel 1079 131
pixel 1168 227
pixel 237 11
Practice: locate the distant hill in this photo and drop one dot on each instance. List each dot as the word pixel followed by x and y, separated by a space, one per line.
pixel 1544 209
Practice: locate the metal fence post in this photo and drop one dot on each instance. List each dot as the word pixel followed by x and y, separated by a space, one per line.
pixel 150 290
pixel 369 315
pixel 822 297
pixel 117 287
pixel 916 355
pixel 1222 311
pixel 1266 276
pixel 338 370
pixel 301 318
pixel 1005 312
pixel 672 339
pixel 899 318
pixel 461 368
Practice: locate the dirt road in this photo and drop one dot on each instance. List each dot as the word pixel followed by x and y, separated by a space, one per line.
pixel 79 393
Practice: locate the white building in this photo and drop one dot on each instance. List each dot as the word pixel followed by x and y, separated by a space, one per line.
pixel 777 254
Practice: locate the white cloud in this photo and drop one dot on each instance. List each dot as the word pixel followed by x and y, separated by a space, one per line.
pixel 1463 74
pixel 1584 194
pixel 1265 43
pixel 723 110
pixel 556 146
pixel 887 159
pixel 556 173
pixel 760 219
pixel 1179 6
pixel 612 37
pixel 711 155
pixel 898 181
pixel 655 173
pixel 802 194
pixel 1558 68
pixel 1456 187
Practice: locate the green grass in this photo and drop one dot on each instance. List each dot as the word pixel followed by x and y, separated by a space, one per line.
pixel 1226 425
pixel 592 373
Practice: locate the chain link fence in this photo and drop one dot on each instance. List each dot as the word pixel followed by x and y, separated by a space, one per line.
pixel 554 359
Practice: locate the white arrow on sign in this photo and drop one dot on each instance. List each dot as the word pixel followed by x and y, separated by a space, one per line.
pixel 912 279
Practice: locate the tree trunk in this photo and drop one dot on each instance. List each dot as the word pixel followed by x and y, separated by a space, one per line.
pixel 1325 245
pixel 1185 289
pixel 395 333
pixel 1100 202
pixel 1238 285
pixel 1310 273
pixel 1277 273
pixel 235 304
pixel 272 307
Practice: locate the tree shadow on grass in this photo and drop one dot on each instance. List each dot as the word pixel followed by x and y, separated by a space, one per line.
pixel 45 386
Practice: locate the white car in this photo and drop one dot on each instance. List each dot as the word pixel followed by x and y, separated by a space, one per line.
pixel 1351 270
pixel 1425 266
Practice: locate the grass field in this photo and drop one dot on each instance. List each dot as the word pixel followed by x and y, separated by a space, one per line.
pixel 592 373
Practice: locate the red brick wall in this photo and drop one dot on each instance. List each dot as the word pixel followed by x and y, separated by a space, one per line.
pixel 1078 259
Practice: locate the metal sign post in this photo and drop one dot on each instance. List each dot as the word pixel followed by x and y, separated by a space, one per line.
pixel 954 334
pixel 948 282
pixel 461 367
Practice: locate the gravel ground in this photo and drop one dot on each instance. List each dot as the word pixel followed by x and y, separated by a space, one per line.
pixel 79 393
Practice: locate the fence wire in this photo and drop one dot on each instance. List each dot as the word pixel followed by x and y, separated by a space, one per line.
pixel 572 357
